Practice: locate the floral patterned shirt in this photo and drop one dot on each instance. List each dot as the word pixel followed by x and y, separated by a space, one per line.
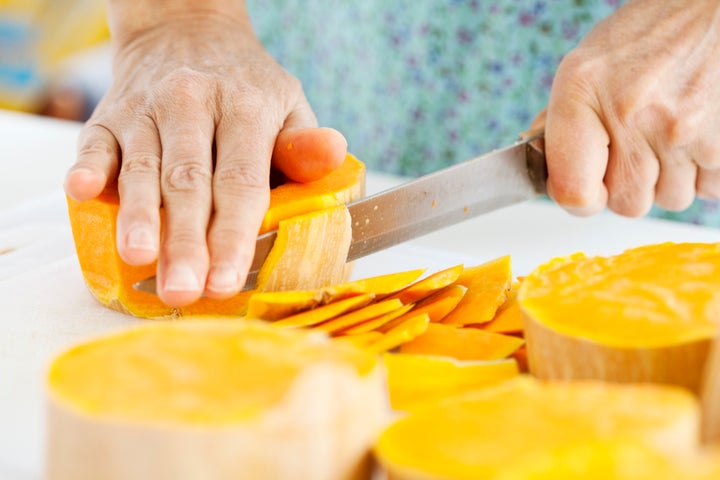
pixel 417 85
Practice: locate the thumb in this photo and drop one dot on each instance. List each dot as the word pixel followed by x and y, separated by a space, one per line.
pixel 303 151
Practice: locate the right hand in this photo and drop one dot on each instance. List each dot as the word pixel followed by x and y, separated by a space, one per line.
pixel 196 112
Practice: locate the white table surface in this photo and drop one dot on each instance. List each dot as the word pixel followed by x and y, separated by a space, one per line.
pixel 44 306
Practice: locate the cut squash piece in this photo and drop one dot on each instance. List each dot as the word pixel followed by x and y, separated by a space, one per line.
pixel 359 316
pixel 406 331
pixel 418 380
pixel 481 434
pixel 326 312
pixel 487 286
pixel 463 343
pixel 436 306
pixel 508 318
pixel 220 400
pixel 429 285
pixel 341 186
pixel 613 460
pixel 111 280
pixel 361 340
pixel 646 315
pixel 377 322
pixel 278 305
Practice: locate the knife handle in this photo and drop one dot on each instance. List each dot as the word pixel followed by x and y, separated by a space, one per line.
pixel 536 163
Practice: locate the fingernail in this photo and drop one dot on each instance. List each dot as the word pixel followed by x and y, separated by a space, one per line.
pixel 141 238
pixel 181 279
pixel 222 278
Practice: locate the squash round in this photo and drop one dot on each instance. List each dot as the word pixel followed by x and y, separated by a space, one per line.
pixel 645 315
pixel 522 422
pixel 111 280
pixel 215 400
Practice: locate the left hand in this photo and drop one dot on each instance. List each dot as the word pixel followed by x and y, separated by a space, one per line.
pixel 634 112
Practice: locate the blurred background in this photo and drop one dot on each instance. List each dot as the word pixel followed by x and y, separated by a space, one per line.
pixel 54 56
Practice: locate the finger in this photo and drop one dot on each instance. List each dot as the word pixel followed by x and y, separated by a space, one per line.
pixel 675 188
pixel 304 152
pixel 138 219
pixel 707 184
pixel 186 134
pixel 97 163
pixel 576 146
pixel 633 171
pixel 241 194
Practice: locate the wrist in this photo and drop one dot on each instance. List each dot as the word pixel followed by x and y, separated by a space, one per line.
pixel 130 19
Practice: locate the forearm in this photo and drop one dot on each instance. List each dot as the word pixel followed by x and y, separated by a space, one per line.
pixel 130 18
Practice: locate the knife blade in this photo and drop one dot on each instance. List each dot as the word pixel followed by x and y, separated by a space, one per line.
pixel 501 178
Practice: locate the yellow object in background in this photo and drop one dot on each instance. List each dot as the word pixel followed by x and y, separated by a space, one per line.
pixel 36 36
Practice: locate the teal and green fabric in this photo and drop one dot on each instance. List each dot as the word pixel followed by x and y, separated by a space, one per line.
pixel 417 85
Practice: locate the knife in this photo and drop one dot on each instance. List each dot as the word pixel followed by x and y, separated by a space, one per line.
pixel 501 178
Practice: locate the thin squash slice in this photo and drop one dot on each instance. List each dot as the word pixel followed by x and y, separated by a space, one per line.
pixel 309 252
pixel 417 380
pixel 111 281
pixel 481 434
pixel 278 305
pixel 462 343
pixel 487 286
pixel 645 315
pixel 213 399
pixel 428 285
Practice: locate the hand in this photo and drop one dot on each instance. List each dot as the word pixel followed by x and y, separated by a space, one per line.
pixel 196 111
pixel 634 111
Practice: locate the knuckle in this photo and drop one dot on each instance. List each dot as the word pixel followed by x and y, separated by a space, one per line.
pixel 186 177
pixel 94 146
pixel 185 82
pixel 682 130
pixel 140 163
pixel 241 176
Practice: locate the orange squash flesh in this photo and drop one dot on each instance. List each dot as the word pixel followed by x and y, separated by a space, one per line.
pixel 278 305
pixel 415 380
pixel 402 333
pixel 481 434
pixel 359 316
pixel 508 318
pixel 111 281
pixel 326 312
pixel 429 285
pixel 437 306
pixel 487 286
pixel 462 343
pixel 647 314
pixel 377 322
pixel 213 399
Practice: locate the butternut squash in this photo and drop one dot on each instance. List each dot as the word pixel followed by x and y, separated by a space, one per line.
pixel 111 280
pixel 415 381
pixel 522 422
pixel 216 400
pixel 645 315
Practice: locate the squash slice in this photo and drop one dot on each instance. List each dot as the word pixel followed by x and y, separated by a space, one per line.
pixel 645 315
pixel 480 434
pixel 213 399
pixel 417 380
pixel 463 343
pixel 487 286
